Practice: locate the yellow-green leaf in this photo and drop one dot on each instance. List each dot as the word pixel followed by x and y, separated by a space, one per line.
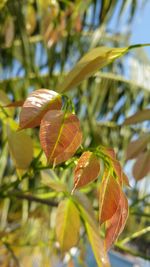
pixel 67 224
pixel 20 147
pixel 89 64
pixel 97 245
pixel 50 179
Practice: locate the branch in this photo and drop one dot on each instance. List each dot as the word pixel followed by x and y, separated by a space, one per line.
pixel 31 198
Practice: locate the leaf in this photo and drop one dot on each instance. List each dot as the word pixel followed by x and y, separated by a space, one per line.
pixel 87 170
pixel 109 197
pixel 88 215
pixel 36 105
pixel 4 101
pixel 60 135
pixel 116 224
pixel 136 147
pixel 89 64
pixel 115 164
pixel 67 224
pixel 97 246
pixel 142 166
pixel 15 104
pixel 140 116
pixel 30 19
pixel 20 147
pixel 50 179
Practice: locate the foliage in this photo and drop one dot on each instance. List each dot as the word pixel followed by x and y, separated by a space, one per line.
pixel 59 156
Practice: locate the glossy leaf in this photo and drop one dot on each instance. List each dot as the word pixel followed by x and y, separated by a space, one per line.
pixel 140 116
pixel 137 146
pixel 50 179
pixel 89 64
pixel 20 147
pixel 36 105
pixel 87 169
pixel 109 197
pixel 60 136
pixel 117 222
pixel 142 166
pixel 67 224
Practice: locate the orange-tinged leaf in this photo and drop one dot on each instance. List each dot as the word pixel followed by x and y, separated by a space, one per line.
pixel 138 117
pixel 108 151
pixel 67 224
pixel 20 147
pixel 142 166
pixel 18 103
pixel 36 105
pixel 109 197
pixel 137 146
pixel 87 169
pixel 89 64
pixel 116 224
pixel 60 135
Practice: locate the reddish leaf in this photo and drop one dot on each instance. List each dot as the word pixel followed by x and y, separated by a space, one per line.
pixel 18 103
pixel 60 136
pixel 109 197
pixel 138 146
pixel 142 166
pixel 140 116
pixel 108 151
pixel 36 105
pixel 115 164
pixel 87 170
pixel 116 224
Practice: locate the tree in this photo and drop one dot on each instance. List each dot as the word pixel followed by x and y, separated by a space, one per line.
pixel 70 147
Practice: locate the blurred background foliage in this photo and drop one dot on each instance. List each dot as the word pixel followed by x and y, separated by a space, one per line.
pixel 40 41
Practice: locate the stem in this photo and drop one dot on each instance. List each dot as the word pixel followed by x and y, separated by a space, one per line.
pixel 31 198
pixel 138 45
pixel 135 235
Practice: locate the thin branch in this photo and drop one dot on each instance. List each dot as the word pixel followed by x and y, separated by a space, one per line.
pixel 31 198
pixel 131 252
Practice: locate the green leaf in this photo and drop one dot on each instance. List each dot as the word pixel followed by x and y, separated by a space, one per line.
pixel 50 179
pixel 97 245
pixel 20 147
pixel 36 105
pixel 140 116
pixel 67 224
pixel 87 170
pixel 89 64
pixel 60 136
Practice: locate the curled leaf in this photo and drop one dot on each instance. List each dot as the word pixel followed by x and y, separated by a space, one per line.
pixel 109 197
pixel 36 105
pixel 60 135
pixel 117 222
pixel 87 169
